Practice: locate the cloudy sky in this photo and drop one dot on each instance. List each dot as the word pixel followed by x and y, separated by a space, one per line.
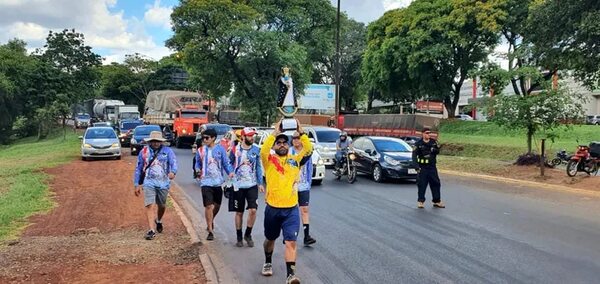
pixel 118 27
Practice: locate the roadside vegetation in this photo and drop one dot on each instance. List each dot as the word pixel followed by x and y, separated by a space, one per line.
pixel 23 185
pixel 484 147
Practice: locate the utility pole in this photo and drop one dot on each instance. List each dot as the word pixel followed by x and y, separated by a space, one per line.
pixel 337 67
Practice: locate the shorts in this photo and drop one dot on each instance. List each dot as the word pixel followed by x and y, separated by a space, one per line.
pixel 237 199
pixel 156 196
pixel 282 219
pixel 212 195
pixel 303 197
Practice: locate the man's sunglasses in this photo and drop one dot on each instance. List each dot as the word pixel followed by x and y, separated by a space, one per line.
pixel 427 132
pixel 206 137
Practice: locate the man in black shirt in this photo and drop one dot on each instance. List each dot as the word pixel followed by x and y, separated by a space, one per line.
pixel 425 153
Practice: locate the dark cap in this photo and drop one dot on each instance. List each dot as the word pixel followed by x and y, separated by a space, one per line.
pixel 425 129
pixel 210 132
pixel 282 136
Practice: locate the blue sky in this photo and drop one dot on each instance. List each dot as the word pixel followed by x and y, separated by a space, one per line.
pixel 115 28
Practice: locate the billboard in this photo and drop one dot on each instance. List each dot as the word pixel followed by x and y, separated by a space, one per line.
pixel 318 96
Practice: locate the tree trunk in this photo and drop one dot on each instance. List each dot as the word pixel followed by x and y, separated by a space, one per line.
pixel 370 99
pixel 530 133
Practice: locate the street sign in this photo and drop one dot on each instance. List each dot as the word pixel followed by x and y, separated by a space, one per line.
pixel 318 97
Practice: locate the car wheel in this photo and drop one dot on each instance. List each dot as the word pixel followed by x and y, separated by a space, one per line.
pixel 118 157
pixel 83 158
pixel 377 173
pixel 317 182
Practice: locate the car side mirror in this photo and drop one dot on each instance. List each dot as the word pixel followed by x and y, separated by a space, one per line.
pixel 312 140
pixel 368 151
pixel 373 153
pixel 80 137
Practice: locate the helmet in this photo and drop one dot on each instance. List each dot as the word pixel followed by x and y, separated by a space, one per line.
pixel 343 133
pixel 247 131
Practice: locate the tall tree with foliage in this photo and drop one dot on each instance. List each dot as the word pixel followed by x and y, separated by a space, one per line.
pixel 431 46
pixel 244 45
pixel 75 65
pixel 566 36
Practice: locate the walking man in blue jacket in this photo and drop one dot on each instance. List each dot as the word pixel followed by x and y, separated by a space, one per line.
pixel 156 167
pixel 248 179
pixel 211 161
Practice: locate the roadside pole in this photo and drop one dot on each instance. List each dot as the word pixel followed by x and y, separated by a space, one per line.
pixel 543 157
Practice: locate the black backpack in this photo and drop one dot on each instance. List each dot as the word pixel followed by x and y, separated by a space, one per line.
pixel 595 149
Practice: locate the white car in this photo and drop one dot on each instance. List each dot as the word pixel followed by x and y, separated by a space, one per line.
pixel 100 142
pixel 318 165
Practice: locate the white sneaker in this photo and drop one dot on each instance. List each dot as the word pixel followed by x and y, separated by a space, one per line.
pixel 293 279
pixel 267 269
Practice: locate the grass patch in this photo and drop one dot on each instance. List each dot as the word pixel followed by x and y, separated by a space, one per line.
pixel 471 164
pixel 23 188
pixel 487 140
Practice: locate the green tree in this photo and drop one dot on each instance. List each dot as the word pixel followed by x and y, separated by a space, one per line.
pixel 75 76
pixel 242 45
pixel 565 36
pixel 16 69
pixel 429 48
pixel 543 112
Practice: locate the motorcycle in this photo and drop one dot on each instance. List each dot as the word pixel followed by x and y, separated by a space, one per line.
pixel 561 157
pixel 347 167
pixel 586 159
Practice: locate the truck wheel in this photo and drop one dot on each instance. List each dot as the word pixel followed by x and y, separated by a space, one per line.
pixel 177 142
pixel 317 182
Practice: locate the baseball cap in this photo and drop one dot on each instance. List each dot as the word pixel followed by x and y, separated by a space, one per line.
pixel 282 136
pixel 247 131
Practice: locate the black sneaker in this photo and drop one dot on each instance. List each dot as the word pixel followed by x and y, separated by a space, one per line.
pixel 210 236
pixel 150 235
pixel 159 227
pixel 308 240
pixel 249 240
pixel 239 243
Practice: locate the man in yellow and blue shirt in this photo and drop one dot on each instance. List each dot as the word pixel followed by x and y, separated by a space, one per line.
pixel 282 171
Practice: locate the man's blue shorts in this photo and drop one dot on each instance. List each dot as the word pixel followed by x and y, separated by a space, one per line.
pixel 282 219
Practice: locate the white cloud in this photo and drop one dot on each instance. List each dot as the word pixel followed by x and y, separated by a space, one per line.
pixel 27 31
pixel 158 16
pixel 395 4
pixel 104 29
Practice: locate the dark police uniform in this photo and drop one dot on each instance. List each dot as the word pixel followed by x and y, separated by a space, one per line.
pixel 424 155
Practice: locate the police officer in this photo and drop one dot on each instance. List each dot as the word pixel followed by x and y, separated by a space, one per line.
pixel 425 153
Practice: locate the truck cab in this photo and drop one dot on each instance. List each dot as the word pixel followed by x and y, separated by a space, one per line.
pixel 186 123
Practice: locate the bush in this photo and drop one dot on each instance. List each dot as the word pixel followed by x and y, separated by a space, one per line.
pixel 23 127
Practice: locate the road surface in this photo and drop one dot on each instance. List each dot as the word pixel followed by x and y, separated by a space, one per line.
pixel 373 233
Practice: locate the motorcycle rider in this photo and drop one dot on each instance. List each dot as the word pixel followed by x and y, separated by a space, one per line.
pixel 342 145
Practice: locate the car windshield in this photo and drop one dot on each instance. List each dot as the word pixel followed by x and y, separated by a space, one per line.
pixel 145 130
pixel 388 145
pixel 220 129
pixel 328 136
pixel 100 133
pixel 83 116
pixel 193 114
pixel 129 125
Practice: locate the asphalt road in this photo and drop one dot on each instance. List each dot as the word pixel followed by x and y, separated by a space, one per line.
pixel 373 233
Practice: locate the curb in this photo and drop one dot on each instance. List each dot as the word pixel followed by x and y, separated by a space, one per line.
pixel 538 185
pixel 215 270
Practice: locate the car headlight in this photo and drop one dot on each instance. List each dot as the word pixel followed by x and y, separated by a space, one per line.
pixel 87 146
pixel 115 145
pixel 133 141
pixel 320 162
pixel 391 160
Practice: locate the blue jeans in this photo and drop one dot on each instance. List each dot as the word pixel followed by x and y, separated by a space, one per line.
pixel 338 158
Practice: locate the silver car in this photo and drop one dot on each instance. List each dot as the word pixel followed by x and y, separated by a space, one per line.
pixel 100 142
pixel 324 140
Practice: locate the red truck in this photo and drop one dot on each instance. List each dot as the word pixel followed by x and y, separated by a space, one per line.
pixel 183 112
